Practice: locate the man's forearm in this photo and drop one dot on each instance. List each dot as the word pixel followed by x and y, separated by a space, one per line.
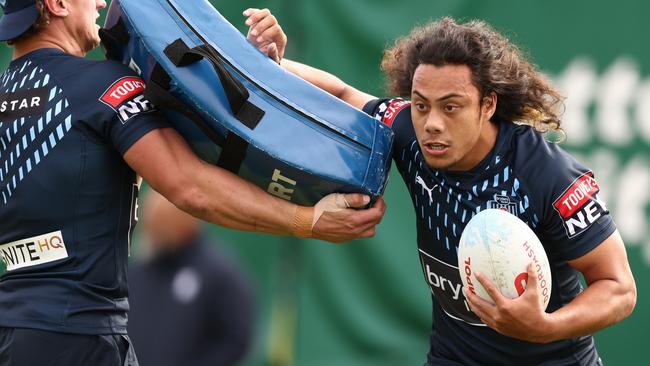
pixel 328 82
pixel 225 199
pixel 322 79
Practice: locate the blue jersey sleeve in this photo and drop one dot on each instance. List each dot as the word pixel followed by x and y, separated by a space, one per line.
pixel 112 105
pixel 575 218
pixel 396 113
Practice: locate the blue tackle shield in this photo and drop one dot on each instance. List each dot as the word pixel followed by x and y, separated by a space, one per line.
pixel 240 110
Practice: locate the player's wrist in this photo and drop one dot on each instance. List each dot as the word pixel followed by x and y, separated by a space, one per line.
pixel 547 329
pixel 302 222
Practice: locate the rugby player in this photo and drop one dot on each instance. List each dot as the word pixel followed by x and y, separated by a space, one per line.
pixel 69 161
pixel 471 138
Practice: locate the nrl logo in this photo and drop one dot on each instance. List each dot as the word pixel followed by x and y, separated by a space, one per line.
pixel 503 203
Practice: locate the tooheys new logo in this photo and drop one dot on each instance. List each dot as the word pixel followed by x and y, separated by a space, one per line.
pixel 126 98
pixel 579 205
pixel 392 110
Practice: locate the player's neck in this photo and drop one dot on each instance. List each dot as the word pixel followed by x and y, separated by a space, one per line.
pixel 47 40
pixel 486 142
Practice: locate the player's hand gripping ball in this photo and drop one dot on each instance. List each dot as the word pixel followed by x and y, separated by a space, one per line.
pixel 500 245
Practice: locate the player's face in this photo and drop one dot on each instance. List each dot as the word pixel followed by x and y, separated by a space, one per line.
pixel 452 127
pixel 84 14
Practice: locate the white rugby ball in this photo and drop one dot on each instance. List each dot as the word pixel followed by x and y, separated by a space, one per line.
pixel 500 245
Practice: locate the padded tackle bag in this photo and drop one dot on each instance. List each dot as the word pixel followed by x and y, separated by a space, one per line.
pixel 240 110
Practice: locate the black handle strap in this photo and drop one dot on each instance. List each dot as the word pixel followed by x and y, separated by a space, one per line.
pixel 233 147
pixel 114 39
pixel 181 55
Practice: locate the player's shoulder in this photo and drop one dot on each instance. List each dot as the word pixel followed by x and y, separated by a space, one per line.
pixel 542 164
pixel 105 81
pixel 108 70
pixel 73 73
pixel 386 110
pixel 100 75
pixel 533 150
pixel 396 114
pixel 82 78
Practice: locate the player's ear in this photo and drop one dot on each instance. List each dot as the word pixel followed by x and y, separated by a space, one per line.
pixel 489 105
pixel 58 8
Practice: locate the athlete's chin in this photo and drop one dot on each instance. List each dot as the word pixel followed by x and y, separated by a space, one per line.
pixel 92 44
pixel 438 163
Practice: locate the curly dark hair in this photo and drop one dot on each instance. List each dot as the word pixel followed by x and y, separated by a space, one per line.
pixel 524 95
pixel 42 21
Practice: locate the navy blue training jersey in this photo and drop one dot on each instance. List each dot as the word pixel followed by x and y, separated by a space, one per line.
pixel 67 198
pixel 531 178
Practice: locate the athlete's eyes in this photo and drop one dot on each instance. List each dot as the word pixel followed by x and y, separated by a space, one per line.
pixel 420 107
pixel 450 107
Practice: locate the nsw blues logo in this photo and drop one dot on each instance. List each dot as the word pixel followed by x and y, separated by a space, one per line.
pixel 504 203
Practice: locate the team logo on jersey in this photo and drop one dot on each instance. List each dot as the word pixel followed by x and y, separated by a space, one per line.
pixel 504 203
pixel 126 98
pixel 23 103
pixel 579 205
pixel 393 109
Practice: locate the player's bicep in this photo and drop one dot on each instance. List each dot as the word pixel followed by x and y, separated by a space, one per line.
pixel 607 261
pixel 575 219
pixel 164 160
